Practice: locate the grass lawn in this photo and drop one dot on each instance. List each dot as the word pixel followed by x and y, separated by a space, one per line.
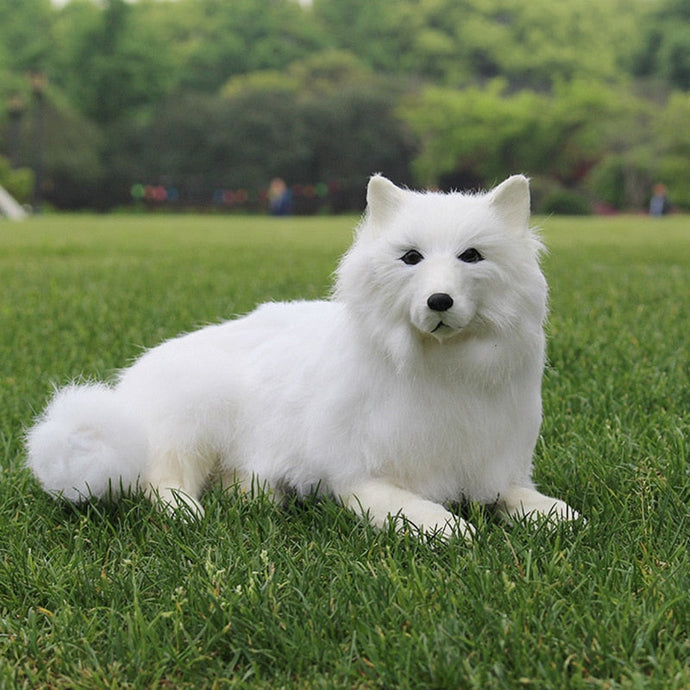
pixel 306 595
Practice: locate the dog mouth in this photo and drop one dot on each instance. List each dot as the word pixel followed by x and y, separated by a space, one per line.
pixel 443 330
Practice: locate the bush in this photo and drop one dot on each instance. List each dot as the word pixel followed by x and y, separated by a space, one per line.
pixel 620 182
pixel 19 182
pixel 565 203
pixel 541 188
pixel 607 181
pixel 674 170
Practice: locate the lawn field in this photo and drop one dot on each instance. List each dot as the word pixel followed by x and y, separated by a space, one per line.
pixel 306 596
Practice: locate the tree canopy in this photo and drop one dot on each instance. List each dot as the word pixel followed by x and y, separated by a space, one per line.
pixel 206 95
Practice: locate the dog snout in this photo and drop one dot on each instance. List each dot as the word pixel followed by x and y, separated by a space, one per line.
pixel 440 301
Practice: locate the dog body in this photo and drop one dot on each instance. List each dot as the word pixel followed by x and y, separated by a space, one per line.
pixel 417 384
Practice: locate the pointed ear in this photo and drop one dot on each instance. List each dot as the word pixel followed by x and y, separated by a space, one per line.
pixel 383 198
pixel 511 200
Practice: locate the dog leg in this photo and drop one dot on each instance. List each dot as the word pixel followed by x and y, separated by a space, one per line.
pixel 381 502
pixel 176 485
pixel 525 502
pixel 250 484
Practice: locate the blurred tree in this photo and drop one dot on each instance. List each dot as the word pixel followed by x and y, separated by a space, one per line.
pixel 476 133
pixel 202 142
pixel 227 93
pixel 484 134
pixel 74 169
pixel 71 167
pixel 218 39
pixel 584 120
pixel 26 38
pixel 531 44
pixel 113 62
pixel 351 125
pixel 328 71
pixel 26 44
pixel 673 141
pixel 622 181
pixel 325 118
pixel 550 42
pixel 260 135
pixel 355 132
pixel 76 25
pixel 379 32
pixel 665 45
pixel 19 182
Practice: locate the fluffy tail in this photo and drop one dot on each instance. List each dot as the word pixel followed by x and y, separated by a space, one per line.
pixel 86 444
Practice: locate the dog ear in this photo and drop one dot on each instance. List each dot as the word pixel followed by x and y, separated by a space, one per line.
pixel 511 201
pixel 383 198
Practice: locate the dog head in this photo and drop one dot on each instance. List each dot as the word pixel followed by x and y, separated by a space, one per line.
pixel 441 268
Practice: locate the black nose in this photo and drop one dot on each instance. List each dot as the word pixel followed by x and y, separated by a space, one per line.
pixel 440 301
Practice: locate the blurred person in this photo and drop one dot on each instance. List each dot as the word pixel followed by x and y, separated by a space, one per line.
pixel 659 204
pixel 279 198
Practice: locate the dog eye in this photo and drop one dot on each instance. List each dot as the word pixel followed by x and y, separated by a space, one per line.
pixel 471 256
pixel 411 258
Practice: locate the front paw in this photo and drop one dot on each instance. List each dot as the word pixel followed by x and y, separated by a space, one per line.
pixel 532 506
pixel 439 524
pixel 383 503
pixel 459 528
pixel 553 511
pixel 177 503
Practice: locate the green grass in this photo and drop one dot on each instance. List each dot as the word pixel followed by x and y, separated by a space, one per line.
pixel 306 595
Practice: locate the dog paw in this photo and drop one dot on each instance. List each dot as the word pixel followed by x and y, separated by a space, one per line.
pixel 441 525
pixel 178 503
pixel 552 514
pixel 458 528
pixel 530 505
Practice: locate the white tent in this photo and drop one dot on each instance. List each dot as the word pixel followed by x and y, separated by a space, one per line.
pixel 9 207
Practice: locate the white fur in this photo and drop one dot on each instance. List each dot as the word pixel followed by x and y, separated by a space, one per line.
pixel 371 396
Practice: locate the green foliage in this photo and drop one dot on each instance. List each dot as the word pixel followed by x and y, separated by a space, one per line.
pixel 532 44
pixel 621 181
pixel 493 132
pixel 592 135
pixel 127 63
pixel 330 71
pixel 476 129
pixel 673 136
pixel 19 182
pixel 369 29
pixel 257 595
pixel 565 202
pixel 25 34
pixel 217 40
pixel 376 139
pixel 70 148
pixel 325 118
pixel 72 153
pixel 461 92
pixel 665 47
